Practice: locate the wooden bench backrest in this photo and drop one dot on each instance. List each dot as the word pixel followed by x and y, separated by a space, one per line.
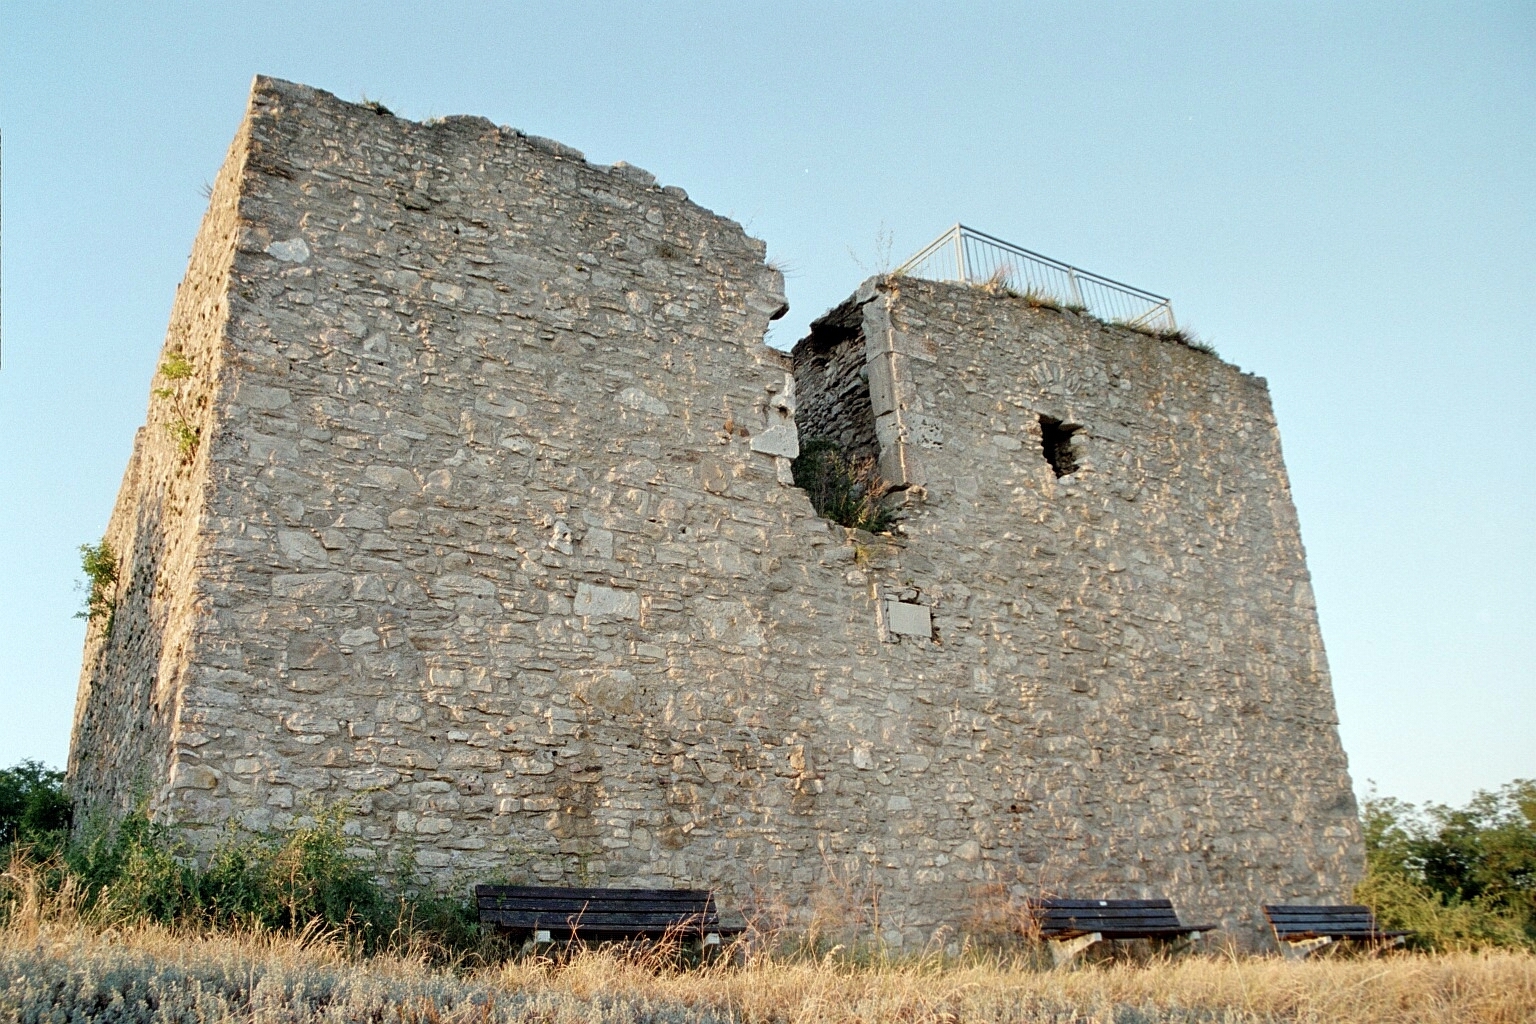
pixel 1111 918
pixel 567 911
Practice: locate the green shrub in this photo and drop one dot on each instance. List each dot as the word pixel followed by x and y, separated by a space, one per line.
pixel 1461 878
pixel 289 881
pixel 847 493
pixel 141 871
pixel 185 435
pixel 176 366
pixel 298 881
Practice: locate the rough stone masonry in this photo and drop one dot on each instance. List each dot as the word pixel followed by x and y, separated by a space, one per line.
pixel 475 516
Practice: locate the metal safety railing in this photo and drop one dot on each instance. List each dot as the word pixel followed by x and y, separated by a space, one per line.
pixel 973 257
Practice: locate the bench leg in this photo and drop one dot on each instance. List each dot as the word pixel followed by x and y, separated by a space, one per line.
pixel 1180 943
pixel 535 939
pixel 1304 948
pixel 1064 951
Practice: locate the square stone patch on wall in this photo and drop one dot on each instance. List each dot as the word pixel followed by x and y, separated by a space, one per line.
pixel 903 618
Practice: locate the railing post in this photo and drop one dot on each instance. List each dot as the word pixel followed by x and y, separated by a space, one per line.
pixel 960 255
pixel 1077 293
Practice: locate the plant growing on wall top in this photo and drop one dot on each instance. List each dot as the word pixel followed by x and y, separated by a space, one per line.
pixel 1180 335
pixel 846 492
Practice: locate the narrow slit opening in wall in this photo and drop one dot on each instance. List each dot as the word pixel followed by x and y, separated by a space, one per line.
pixel 1056 444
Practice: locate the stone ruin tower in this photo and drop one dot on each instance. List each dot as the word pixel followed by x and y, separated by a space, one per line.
pixel 471 509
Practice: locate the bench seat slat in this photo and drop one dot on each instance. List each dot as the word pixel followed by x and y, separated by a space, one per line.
pixel 563 927
pixel 576 906
pixel 1122 923
pixel 566 931
pixel 1091 924
pixel 1118 933
pixel 531 920
pixel 1102 904
pixel 593 913
pixel 1341 933
pixel 1108 915
pixel 596 914
pixel 1111 911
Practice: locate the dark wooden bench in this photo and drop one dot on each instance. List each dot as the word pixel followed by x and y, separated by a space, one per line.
pixel 554 913
pixel 1071 926
pixel 1302 930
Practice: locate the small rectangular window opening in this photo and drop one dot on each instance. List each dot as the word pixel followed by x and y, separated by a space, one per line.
pixel 1056 443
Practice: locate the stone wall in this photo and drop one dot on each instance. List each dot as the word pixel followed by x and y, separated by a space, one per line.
pixel 130 711
pixel 1136 641
pixel 491 536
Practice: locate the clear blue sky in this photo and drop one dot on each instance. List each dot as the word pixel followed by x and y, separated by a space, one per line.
pixel 1343 201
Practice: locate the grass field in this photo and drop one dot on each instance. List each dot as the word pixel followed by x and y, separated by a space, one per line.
pixel 53 971
pixel 289 929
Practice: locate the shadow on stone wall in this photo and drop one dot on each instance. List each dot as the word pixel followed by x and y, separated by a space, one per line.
pixel 118 759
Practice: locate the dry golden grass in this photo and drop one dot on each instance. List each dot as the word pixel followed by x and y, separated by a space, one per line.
pixel 1404 989
pixel 52 966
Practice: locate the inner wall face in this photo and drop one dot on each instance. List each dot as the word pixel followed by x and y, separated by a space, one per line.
pixel 493 539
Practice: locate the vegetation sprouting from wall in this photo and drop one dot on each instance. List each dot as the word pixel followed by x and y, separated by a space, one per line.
pixel 846 491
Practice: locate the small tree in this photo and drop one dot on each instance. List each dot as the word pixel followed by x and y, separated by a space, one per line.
pixel 33 805
pixel 1460 877
pixel 99 563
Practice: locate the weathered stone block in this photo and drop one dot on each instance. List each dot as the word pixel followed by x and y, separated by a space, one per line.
pixel 778 440
pixel 905 619
pixel 605 601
